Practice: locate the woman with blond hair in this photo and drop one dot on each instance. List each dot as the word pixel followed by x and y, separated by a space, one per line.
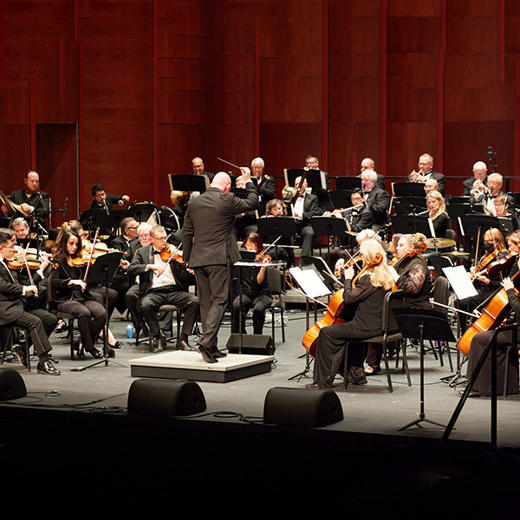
pixel 437 214
pixel 362 312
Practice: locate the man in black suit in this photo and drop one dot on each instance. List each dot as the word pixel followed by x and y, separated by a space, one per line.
pixel 369 164
pixel 197 166
pixel 312 162
pixel 376 199
pixel 15 310
pixel 34 202
pixel 426 172
pixel 163 282
pixel 305 207
pixel 480 175
pixel 104 201
pixel 265 185
pixel 210 245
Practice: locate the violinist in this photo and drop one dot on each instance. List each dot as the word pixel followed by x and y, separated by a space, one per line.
pixel 14 309
pixel 485 284
pixel 437 213
pixel 72 295
pixel 162 281
pixel 255 290
pixel 345 261
pixel 502 211
pixel 412 276
pixel 362 311
pixel 20 227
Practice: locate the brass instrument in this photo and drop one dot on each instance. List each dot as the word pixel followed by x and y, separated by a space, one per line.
pixel 179 198
pixel 288 191
pixel 13 208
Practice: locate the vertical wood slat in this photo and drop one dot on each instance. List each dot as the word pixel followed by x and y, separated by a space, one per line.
pixel 440 86
pixel 325 84
pixel 383 86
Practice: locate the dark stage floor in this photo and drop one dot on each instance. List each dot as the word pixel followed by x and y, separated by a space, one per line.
pixel 75 429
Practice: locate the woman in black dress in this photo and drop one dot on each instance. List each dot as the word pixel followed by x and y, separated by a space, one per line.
pixel 363 314
pixel 71 294
pixel 255 291
pixel 411 274
pixel 437 213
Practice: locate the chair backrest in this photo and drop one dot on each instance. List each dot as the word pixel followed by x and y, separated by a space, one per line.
pixel 438 262
pixel 441 294
pixel 393 300
pixel 274 280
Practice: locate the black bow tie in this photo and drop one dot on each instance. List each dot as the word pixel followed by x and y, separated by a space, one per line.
pixel 155 252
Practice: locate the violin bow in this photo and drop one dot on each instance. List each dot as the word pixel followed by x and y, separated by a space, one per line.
pixel 259 255
pixel 91 254
pixel 24 254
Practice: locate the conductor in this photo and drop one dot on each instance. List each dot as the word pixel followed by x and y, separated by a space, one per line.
pixel 209 246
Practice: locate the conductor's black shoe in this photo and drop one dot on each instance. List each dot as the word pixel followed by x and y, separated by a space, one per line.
pixel 184 345
pixel 206 354
pixel 218 353
pixel 48 368
pixel 20 354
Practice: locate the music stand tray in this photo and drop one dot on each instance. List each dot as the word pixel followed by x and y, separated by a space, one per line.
pixel 182 182
pixel 473 224
pixel 276 226
pixel 409 189
pixel 407 205
pixel 407 224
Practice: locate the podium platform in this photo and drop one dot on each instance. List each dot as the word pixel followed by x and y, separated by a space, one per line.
pixel 190 365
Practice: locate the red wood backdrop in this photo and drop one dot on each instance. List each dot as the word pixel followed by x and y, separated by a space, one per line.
pixel 149 84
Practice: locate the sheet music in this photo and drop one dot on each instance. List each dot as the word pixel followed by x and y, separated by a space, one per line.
pixel 310 282
pixel 460 282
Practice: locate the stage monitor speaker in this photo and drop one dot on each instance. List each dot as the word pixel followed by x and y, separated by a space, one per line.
pixel 252 344
pixel 12 385
pixel 165 398
pixel 301 407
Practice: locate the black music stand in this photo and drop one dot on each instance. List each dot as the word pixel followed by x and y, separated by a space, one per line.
pixel 409 224
pixel 340 198
pixel 291 174
pixel 329 227
pixel 423 324
pixel 326 274
pixel 407 205
pixel 102 271
pixel 276 226
pixel 189 182
pixel 347 183
pixel 409 189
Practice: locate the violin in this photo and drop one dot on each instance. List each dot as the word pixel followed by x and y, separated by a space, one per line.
pixel 378 258
pixel 262 257
pixel 172 253
pixel 480 268
pixel 495 267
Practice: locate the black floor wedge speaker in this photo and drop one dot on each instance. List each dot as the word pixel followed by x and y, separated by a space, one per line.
pixel 12 385
pixel 258 344
pixel 165 398
pixel 302 407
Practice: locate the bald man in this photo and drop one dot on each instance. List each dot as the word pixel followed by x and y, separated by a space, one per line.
pixel 479 174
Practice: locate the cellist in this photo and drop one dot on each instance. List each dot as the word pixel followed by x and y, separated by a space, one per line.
pixel 363 306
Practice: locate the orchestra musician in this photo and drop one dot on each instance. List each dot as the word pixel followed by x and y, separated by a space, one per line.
pixel 245 223
pixel 20 227
pixel 437 213
pixel 485 284
pixel 305 207
pixel 369 164
pixel 480 341
pixel 502 210
pixel 265 185
pixel 431 185
pixel 197 167
pixel 376 199
pixel 16 309
pixel 72 295
pixel 34 202
pixel 277 208
pixel 363 304
pixel 209 245
pixel 104 201
pixel 426 172
pixel 255 290
pixel 476 186
pixel 495 182
pixel 312 162
pixel 162 281
pixel 412 276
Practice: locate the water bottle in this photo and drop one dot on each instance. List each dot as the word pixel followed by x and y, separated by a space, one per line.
pixel 129 332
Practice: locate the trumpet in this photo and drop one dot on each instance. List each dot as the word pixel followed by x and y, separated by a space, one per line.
pixel 288 191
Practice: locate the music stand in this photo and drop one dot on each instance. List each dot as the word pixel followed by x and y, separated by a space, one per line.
pixel 328 227
pixel 326 274
pixel 347 183
pixel 340 198
pixel 198 183
pixel 276 226
pixel 102 271
pixel 407 205
pixel 409 189
pixel 423 324
pixel 406 224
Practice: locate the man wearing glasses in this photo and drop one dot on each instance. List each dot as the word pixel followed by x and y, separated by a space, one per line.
pixel 163 281
pixel 15 311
